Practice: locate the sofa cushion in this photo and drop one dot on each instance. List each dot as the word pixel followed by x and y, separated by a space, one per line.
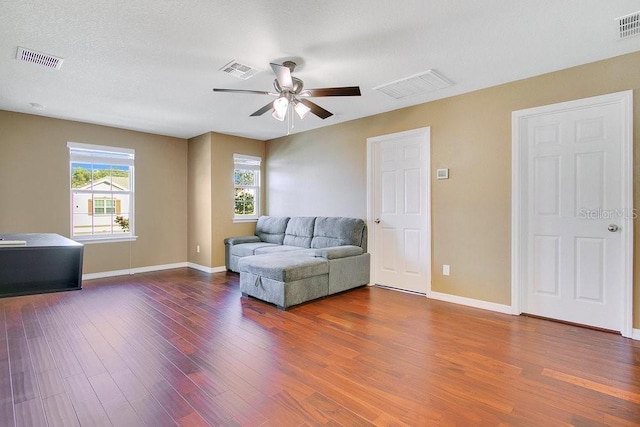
pixel 247 249
pixel 277 248
pixel 299 231
pixel 271 229
pixel 338 231
pixel 336 252
pixel 284 267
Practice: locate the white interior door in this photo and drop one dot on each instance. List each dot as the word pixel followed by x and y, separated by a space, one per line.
pixel 399 212
pixel 576 210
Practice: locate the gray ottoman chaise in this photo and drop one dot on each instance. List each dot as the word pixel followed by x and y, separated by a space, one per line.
pixel 293 260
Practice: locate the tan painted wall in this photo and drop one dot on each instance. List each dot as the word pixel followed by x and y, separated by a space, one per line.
pixel 223 147
pixel 199 195
pixel 211 194
pixel 323 172
pixel 34 188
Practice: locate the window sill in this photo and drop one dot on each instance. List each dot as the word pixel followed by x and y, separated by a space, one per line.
pixel 245 219
pixel 89 240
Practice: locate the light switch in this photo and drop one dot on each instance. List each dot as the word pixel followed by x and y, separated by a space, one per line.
pixel 445 270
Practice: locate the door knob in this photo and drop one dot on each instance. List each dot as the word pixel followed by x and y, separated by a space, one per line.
pixel 377 221
pixel 612 228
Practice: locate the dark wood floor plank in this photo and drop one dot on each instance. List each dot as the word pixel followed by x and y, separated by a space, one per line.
pixel 5 373
pixel 24 385
pixel 86 357
pixel 106 389
pixel 129 385
pixel 193 420
pixel 50 383
pixel 65 358
pixel 29 413
pixel 123 415
pixel 59 411
pixel 332 410
pixel 79 388
pixel 207 406
pixel 7 413
pixel 91 413
pixel 41 355
pixel 7 416
pixel 170 400
pixel 182 347
pixel 243 413
pixel 151 412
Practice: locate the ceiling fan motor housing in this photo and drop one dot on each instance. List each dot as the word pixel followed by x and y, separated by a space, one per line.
pixel 297 86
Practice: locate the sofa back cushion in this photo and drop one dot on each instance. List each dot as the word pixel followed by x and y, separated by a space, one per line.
pixel 299 231
pixel 338 231
pixel 271 229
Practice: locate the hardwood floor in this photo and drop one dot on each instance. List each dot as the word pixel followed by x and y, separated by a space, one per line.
pixel 182 347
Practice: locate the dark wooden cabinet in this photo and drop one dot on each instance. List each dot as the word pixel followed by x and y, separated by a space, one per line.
pixel 47 263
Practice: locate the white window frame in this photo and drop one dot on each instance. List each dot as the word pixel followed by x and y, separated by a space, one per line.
pixel 247 163
pixel 105 155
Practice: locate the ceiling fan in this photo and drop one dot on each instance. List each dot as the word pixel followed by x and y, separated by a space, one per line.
pixel 291 94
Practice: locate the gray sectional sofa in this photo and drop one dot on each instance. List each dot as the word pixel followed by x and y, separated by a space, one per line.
pixel 293 260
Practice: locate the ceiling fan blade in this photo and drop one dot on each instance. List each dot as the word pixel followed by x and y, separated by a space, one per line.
pixel 316 109
pixel 263 110
pixel 283 74
pixel 258 92
pixel 333 91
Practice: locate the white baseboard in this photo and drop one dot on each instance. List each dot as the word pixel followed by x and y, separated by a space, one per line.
pixel 103 274
pixel 90 276
pixel 485 305
pixel 206 269
pixel 500 308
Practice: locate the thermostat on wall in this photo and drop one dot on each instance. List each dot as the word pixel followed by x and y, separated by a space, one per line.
pixel 442 174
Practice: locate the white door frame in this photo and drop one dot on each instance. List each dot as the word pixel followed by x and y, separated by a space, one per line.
pixel 371 229
pixel 519 198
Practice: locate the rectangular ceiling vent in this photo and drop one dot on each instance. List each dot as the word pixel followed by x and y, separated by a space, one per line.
pixel 418 84
pixel 239 70
pixel 39 58
pixel 629 25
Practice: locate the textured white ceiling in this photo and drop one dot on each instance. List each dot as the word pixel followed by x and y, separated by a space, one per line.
pixel 150 65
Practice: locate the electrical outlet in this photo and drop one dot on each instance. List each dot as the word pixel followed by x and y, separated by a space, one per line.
pixel 197 249
pixel 446 270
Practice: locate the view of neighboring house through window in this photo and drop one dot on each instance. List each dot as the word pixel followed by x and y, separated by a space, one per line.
pixel 101 180
pixel 246 178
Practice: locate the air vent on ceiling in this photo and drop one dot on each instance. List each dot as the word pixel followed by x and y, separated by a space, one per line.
pixel 39 58
pixel 239 70
pixel 418 84
pixel 629 25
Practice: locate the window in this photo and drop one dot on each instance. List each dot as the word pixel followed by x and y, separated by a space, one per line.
pixel 101 182
pixel 246 179
pixel 104 206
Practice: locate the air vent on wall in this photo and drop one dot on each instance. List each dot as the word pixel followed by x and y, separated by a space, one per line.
pixel 39 58
pixel 629 25
pixel 239 70
pixel 415 85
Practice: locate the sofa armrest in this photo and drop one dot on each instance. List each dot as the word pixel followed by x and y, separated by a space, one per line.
pixel 238 240
pixel 336 252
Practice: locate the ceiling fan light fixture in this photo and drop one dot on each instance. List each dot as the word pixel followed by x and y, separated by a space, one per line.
pixel 301 109
pixel 277 116
pixel 280 107
pixel 290 95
